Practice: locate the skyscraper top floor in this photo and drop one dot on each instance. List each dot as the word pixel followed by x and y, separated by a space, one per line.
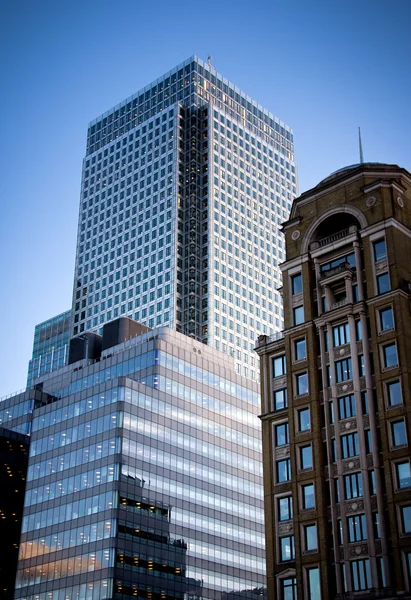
pixel 195 82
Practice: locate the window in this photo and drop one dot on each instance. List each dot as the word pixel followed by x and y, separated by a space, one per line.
pixel 298 313
pixel 304 419
pixel 300 351
pixel 313 584
pixel 281 435
pixel 383 283
pixel 280 399
pixel 343 370
pixel 361 574
pixel 376 525
pixel 398 433
pixel 279 366
pixel 302 384
pixel 350 445
pixel 406 519
pixel 390 356
pixel 386 319
pixel 403 473
pixel 283 470
pixel 310 537
pixel 346 406
pixel 353 486
pixel 380 250
pixel 288 588
pixel 368 441
pixel 285 508
pixel 364 403
pixel 394 395
pixel 373 487
pixel 287 550
pixel 308 500
pixel 306 457
pixel 358 331
pixel 297 284
pixel 361 365
pixel 357 528
pixel 341 334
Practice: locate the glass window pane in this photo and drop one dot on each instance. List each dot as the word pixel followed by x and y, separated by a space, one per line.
pixel 298 315
pixel 306 457
pixel 304 419
pixel 297 284
pixel 399 435
pixel 380 251
pixel 394 393
pixel 314 588
pixel 308 496
pixel 403 474
pixel 383 283
pixel 302 384
pixel 390 356
pixel 386 319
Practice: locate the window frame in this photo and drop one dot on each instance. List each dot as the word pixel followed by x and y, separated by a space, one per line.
pixel 299 341
pixel 383 348
pixel 355 444
pixel 301 448
pixel 292 547
pixel 303 409
pixel 298 377
pixel 387 385
pixel 298 318
pixel 305 539
pixel 382 329
pixel 285 398
pixel 397 479
pixel 303 496
pixel 339 369
pixel 290 508
pixel 287 461
pixel 378 279
pixel 374 244
pixel 283 359
pixel 284 424
pixel 293 278
pixel 391 423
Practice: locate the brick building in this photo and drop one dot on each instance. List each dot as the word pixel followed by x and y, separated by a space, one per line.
pixel 335 393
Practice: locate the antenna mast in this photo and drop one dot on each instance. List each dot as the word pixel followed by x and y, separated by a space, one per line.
pixel 360 144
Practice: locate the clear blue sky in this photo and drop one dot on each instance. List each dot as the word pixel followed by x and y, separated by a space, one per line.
pixel 323 67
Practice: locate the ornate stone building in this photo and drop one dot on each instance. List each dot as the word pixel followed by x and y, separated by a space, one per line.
pixel 335 393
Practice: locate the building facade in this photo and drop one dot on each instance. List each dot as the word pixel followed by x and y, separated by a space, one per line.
pixel 184 187
pixel 145 475
pixel 335 393
pixel 13 472
pixel 50 346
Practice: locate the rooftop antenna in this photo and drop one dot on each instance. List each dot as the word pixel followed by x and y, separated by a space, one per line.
pixel 360 144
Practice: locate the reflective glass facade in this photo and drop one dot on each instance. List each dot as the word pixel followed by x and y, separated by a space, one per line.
pixel 50 346
pixel 184 187
pixel 145 478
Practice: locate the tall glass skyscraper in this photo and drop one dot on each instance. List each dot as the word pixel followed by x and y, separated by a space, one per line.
pixel 184 187
pixel 144 478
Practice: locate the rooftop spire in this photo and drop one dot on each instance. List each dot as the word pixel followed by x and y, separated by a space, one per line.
pixel 360 144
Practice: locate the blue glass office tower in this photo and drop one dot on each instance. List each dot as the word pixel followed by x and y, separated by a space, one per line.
pixel 184 187
pixel 144 477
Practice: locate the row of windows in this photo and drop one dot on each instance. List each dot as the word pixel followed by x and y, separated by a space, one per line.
pixel 71 485
pixel 175 437
pixel 74 434
pixel 70 511
pixel 68 539
pixel 69 460
pixel 179 490
pixel 172 461
pixel 48 571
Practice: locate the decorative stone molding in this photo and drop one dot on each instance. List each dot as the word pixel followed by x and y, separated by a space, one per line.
pixel 371 200
pixel 345 388
pixel 295 234
pixel 282 452
pixel 351 465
